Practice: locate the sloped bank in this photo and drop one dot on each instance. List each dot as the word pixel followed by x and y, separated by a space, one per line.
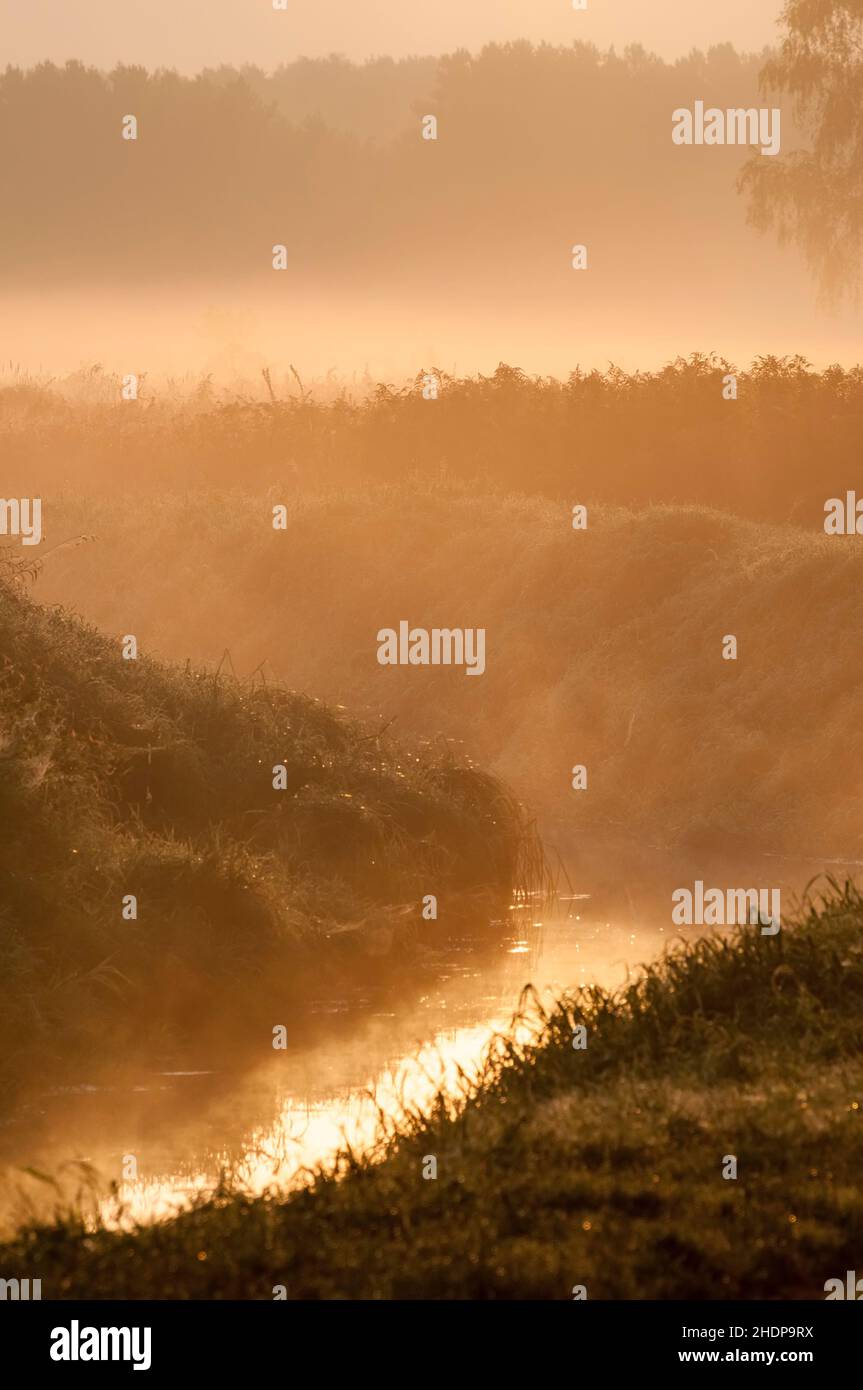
pixel 155 885
pixel 604 1169
pixel 603 647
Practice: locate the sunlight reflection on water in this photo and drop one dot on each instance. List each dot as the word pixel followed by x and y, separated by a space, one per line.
pixel 307 1133
pixel 266 1126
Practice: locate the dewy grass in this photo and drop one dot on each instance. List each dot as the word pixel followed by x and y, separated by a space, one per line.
pixel 123 778
pixel 599 1168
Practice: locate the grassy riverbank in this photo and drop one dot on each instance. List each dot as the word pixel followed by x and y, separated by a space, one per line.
pixel 600 1167
pixel 155 886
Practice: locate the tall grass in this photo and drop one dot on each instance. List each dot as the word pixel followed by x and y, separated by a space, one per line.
pixel 627 439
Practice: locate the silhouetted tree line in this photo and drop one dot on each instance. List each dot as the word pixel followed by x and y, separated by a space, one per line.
pixel 375 100
pixel 538 147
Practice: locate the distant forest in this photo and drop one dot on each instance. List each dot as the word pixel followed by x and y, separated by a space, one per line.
pixel 538 147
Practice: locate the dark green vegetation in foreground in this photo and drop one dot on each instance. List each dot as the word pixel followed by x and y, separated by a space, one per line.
pixel 127 777
pixel 600 1167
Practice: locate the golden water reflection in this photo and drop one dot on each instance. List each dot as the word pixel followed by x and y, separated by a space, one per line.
pixel 267 1125
pixel 306 1134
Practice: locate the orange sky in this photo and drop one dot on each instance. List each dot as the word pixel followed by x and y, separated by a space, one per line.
pixel 190 34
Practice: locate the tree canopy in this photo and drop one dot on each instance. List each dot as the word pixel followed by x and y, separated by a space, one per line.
pixel 814 196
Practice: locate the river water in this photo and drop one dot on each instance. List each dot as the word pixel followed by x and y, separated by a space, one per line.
pixel 140 1149
pixel 165 1137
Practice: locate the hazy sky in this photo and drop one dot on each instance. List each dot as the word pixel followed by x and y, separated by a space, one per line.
pixel 190 34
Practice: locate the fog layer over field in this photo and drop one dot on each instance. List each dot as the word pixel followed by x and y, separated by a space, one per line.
pixel 603 647
pixel 455 252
